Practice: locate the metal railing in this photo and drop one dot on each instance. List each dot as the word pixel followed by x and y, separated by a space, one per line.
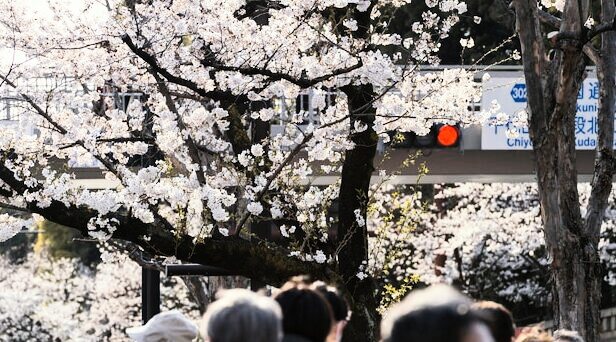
pixel 607 328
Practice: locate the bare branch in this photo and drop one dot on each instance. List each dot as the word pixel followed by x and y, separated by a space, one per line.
pixel 151 61
pixel 548 19
pixel 258 260
pixel 112 140
pixel 601 28
pixel 275 76
pixel 605 162
pixel 533 55
pixel 592 53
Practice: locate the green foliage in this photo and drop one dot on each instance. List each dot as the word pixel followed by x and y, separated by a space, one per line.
pixel 394 293
pixel 394 213
pixel 62 242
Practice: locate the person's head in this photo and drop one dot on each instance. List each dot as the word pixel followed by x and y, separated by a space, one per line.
pixel 164 327
pixel 436 314
pixel 339 306
pixel 534 334
pixel 241 315
pixel 299 281
pixel 567 336
pixel 305 313
pixel 498 319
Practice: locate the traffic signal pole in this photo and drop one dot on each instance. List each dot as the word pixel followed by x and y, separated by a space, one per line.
pixel 150 283
pixel 150 293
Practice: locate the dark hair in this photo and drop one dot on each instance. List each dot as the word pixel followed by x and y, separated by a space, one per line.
pixel 340 308
pixel 433 324
pixel 436 314
pixel 497 318
pixel 305 313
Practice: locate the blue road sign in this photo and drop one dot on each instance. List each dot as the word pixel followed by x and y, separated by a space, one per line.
pixel 518 92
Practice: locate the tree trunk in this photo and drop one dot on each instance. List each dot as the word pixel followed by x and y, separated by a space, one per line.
pixel 571 240
pixel 353 237
pixel 577 288
pixel 364 323
pixel 575 262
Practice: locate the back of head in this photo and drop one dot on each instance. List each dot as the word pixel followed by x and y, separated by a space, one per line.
pixel 241 315
pixel 299 281
pixel 340 308
pixel 305 313
pixel 436 314
pixel 567 336
pixel 497 318
pixel 533 334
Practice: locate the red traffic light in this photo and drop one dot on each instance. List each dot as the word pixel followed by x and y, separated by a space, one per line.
pixel 447 136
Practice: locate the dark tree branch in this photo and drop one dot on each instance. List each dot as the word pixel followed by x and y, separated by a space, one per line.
pixel 548 19
pixel 6 192
pixel 151 61
pixel 606 26
pixel 554 22
pixel 605 164
pixel 271 178
pixel 587 34
pixel 149 140
pixel 237 133
pixel 533 54
pixel 253 259
pixel 276 76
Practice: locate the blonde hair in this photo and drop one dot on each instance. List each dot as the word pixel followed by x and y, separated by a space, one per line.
pixel 534 334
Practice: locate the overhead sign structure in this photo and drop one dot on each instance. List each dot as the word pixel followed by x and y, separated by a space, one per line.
pixel 510 93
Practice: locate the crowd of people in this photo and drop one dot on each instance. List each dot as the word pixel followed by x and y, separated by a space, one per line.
pixel 306 311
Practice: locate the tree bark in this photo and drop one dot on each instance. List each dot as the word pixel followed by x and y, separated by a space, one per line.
pixel 353 249
pixel 571 240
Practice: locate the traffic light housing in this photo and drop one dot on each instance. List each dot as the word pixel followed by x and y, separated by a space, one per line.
pixel 440 136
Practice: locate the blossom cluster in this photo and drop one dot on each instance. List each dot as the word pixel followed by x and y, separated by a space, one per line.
pixel 486 238
pixel 151 93
pixel 49 300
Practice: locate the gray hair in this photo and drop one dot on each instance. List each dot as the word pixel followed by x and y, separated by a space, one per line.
pixel 242 315
pixel 437 313
pixel 563 335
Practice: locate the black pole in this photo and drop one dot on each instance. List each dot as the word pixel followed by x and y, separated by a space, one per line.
pixel 150 293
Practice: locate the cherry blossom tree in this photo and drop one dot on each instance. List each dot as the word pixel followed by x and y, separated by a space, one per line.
pixel 207 158
pixel 485 238
pixel 582 33
pixel 61 300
